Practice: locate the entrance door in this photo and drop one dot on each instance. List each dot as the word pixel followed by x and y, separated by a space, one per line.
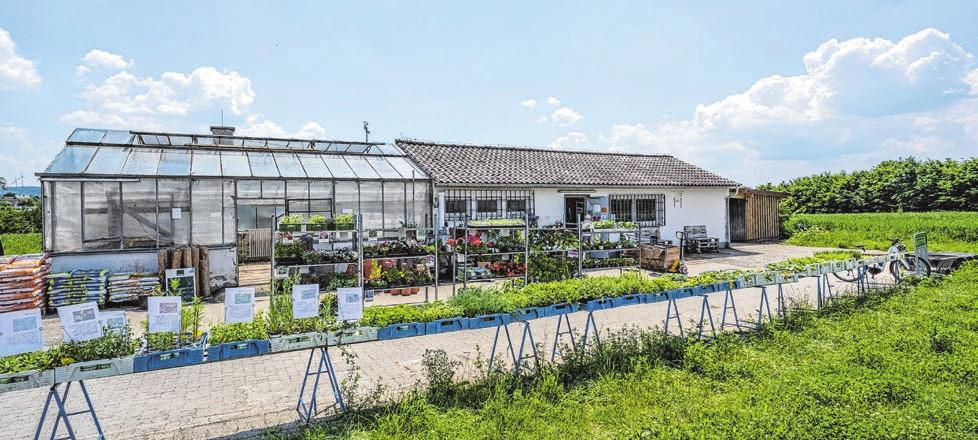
pixel 738 220
pixel 574 208
pixel 255 218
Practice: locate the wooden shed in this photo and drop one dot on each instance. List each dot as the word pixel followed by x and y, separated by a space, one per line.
pixel 753 214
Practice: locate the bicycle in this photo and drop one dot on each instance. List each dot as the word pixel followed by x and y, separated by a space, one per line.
pixel 906 264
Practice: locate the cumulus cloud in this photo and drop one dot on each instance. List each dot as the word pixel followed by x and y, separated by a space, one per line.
pixel 256 125
pixel 571 140
pixel 20 156
pixel 100 59
pixel 16 72
pixel 859 101
pixel 553 101
pixel 565 116
pixel 528 103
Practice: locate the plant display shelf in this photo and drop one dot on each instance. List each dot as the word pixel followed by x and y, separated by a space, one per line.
pixel 492 254
pixel 611 250
pixel 465 256
pixel 398 257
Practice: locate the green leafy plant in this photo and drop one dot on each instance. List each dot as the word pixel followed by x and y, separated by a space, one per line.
pixel 343 221
pixel 37 360
pixel 115 343
pixel 238 331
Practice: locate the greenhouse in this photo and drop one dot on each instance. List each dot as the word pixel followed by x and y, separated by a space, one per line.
pixel 116 195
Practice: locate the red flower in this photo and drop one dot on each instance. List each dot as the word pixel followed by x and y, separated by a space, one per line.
pixel 451 242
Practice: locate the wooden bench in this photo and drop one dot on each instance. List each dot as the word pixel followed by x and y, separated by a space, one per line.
pixel 698 241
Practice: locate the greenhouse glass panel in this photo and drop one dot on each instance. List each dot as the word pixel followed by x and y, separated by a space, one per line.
pixel 247 217
pixel 394 202
pixel 262 165
pixel 381 166
pixel 142 162
pixel 66 221
pixel 371 205
pixel 288 165
pixel 72 160
pixel 180 140
pixel 108 161
pixel 390 150
pixel 139 214
pixel 206 163
pixel 48 230
pixel 175 163
pixel 254 143
pixel 152 139
pixel 174 220
pixel 346 197
pixel 297 189
pixel 249 189
pixel 230 233
pixel 404 167
pixel 339 168
pixel 273 189
pixel 337 147
pixel 117 137
pixel 362 168
pixel 207 211
pixel 274 143
pixel 87 135
pixel 357 148
pixel 419 203
pixel 320 189
pixel 314 166
pixel 235 163
pixel 102 215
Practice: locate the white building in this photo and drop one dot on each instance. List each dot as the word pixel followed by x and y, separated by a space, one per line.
pixel 480 181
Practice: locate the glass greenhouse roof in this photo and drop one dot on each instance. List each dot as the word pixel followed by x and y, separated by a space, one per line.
pixel 118 153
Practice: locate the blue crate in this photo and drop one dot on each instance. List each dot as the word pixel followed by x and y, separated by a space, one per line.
pixel 237 350
pixel 700 290
pixel 528 313
pixel 627 300
pixel 486 321
pixel 446 325
pixel 405 330
pixel 557 309
pixel 686 292
pixel 652 298
pixel 599 304
pixel 168 359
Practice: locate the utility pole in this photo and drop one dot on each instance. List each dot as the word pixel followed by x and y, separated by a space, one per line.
pixel 366 131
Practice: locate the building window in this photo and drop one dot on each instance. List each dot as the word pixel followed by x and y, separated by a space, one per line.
pixel 621 209
pixel 516 206
pixel 646 209
pixel 484 206
pixel 456 206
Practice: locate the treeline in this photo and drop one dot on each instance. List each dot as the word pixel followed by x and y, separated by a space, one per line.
pixel 906 184
pixel 20 220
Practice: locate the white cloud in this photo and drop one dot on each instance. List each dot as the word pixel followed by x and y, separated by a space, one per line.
pixel 528 103
pixel 16 72
pixel 553 101
pixel 542 119
pixel 256 125
pixel 565 116
pixel 100 59
pixel 859 101
pixel 19 156
pixel 571 140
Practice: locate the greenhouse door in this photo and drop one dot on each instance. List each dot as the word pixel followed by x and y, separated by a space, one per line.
pixel 255 218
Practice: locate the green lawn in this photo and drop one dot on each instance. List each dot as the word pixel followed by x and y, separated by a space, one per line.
pixel 947 231
pixel 19 244
pixel 899 364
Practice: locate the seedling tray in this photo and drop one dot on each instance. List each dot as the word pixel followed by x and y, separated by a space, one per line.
pixel 396 331
pixel 599 304
pixel 168 359
pixel 93 369
pixel 25 380
pixel 487 321
pixel 352 336
pixel 557 309
pixel 687 292
pixel 528 313
pixel 237 350
pixel 298 341
pixel 651 298
pixel 446 325
pixel 627 300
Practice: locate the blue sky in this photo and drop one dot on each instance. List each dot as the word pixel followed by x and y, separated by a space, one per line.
pixel 755 91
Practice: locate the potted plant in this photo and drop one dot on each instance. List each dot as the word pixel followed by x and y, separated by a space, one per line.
pixel 110 355
pixel 27 370
pixel 286 333
pixel 291 223
pixel 168 349
pixel 318 223
pixel 343 222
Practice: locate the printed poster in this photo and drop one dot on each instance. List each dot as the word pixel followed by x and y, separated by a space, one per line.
pixel 114 320
pixel 305 301
pixel 164 314
pixel 20 332
pixel 80 322
pixel 239 304
pixel 350 302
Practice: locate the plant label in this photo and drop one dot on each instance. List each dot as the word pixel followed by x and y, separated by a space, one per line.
pixel 305 301
pixel 182 282
pixel 164 314
pixel 239 304
pixel 115 320
pixel 80 322
pixel 350 300
pixel 20 332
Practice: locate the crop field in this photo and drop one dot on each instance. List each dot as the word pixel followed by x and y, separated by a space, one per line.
pixel 947 231
pixel 894 364
pixel 19 244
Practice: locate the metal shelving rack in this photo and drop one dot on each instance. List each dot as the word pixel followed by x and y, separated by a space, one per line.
pixel 429 234
pixel 292 269
pixel 638 240
pixel 525 227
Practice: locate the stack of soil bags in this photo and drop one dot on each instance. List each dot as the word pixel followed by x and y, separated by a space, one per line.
pixel 76 287
pixel 22 281
pixel 130 286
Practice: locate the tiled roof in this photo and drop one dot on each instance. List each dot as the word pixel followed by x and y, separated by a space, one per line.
pixel 491 165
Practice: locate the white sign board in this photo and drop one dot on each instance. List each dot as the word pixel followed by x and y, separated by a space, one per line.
pixel 305 301
pixel 239 304
pixel 350 303
pixel 181 281
pixel 164 314
pixel 114 320
pixel 80 322
pixel 20 332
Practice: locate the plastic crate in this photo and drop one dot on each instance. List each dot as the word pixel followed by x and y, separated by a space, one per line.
pixel 93 369
pixel 299 341
pixel 487 321
pixel 557 309
pixel 627 300
pixel 446 325
pixel 599 304
pixel 25 380
pixel 528 313
pixel 396 331
pixel 652 298
pixel 237 350
pixel 352 336
pixel 168 359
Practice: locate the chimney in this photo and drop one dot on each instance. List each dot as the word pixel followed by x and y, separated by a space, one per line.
pixel 222 130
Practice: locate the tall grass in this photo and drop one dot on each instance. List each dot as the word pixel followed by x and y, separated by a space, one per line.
pixel 19 244
pixel 947 231
pixel 896 364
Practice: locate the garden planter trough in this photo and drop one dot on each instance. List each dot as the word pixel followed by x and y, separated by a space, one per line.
pixel 557 309
pixel 298 341
pixel 405 330
pixel 26 379
pixel 599 304
pixel 528 313
pixel 446 325
pixel 687 292
pixel 627 300
pixel 652 298
pixel 238 349
pixel 159 360
pixel 93 369
pixel 352 336
pixel 486 321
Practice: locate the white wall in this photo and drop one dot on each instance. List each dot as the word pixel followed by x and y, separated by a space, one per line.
pixel 684 207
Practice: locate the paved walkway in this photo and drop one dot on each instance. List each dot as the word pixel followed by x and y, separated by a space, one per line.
pixel 243 397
